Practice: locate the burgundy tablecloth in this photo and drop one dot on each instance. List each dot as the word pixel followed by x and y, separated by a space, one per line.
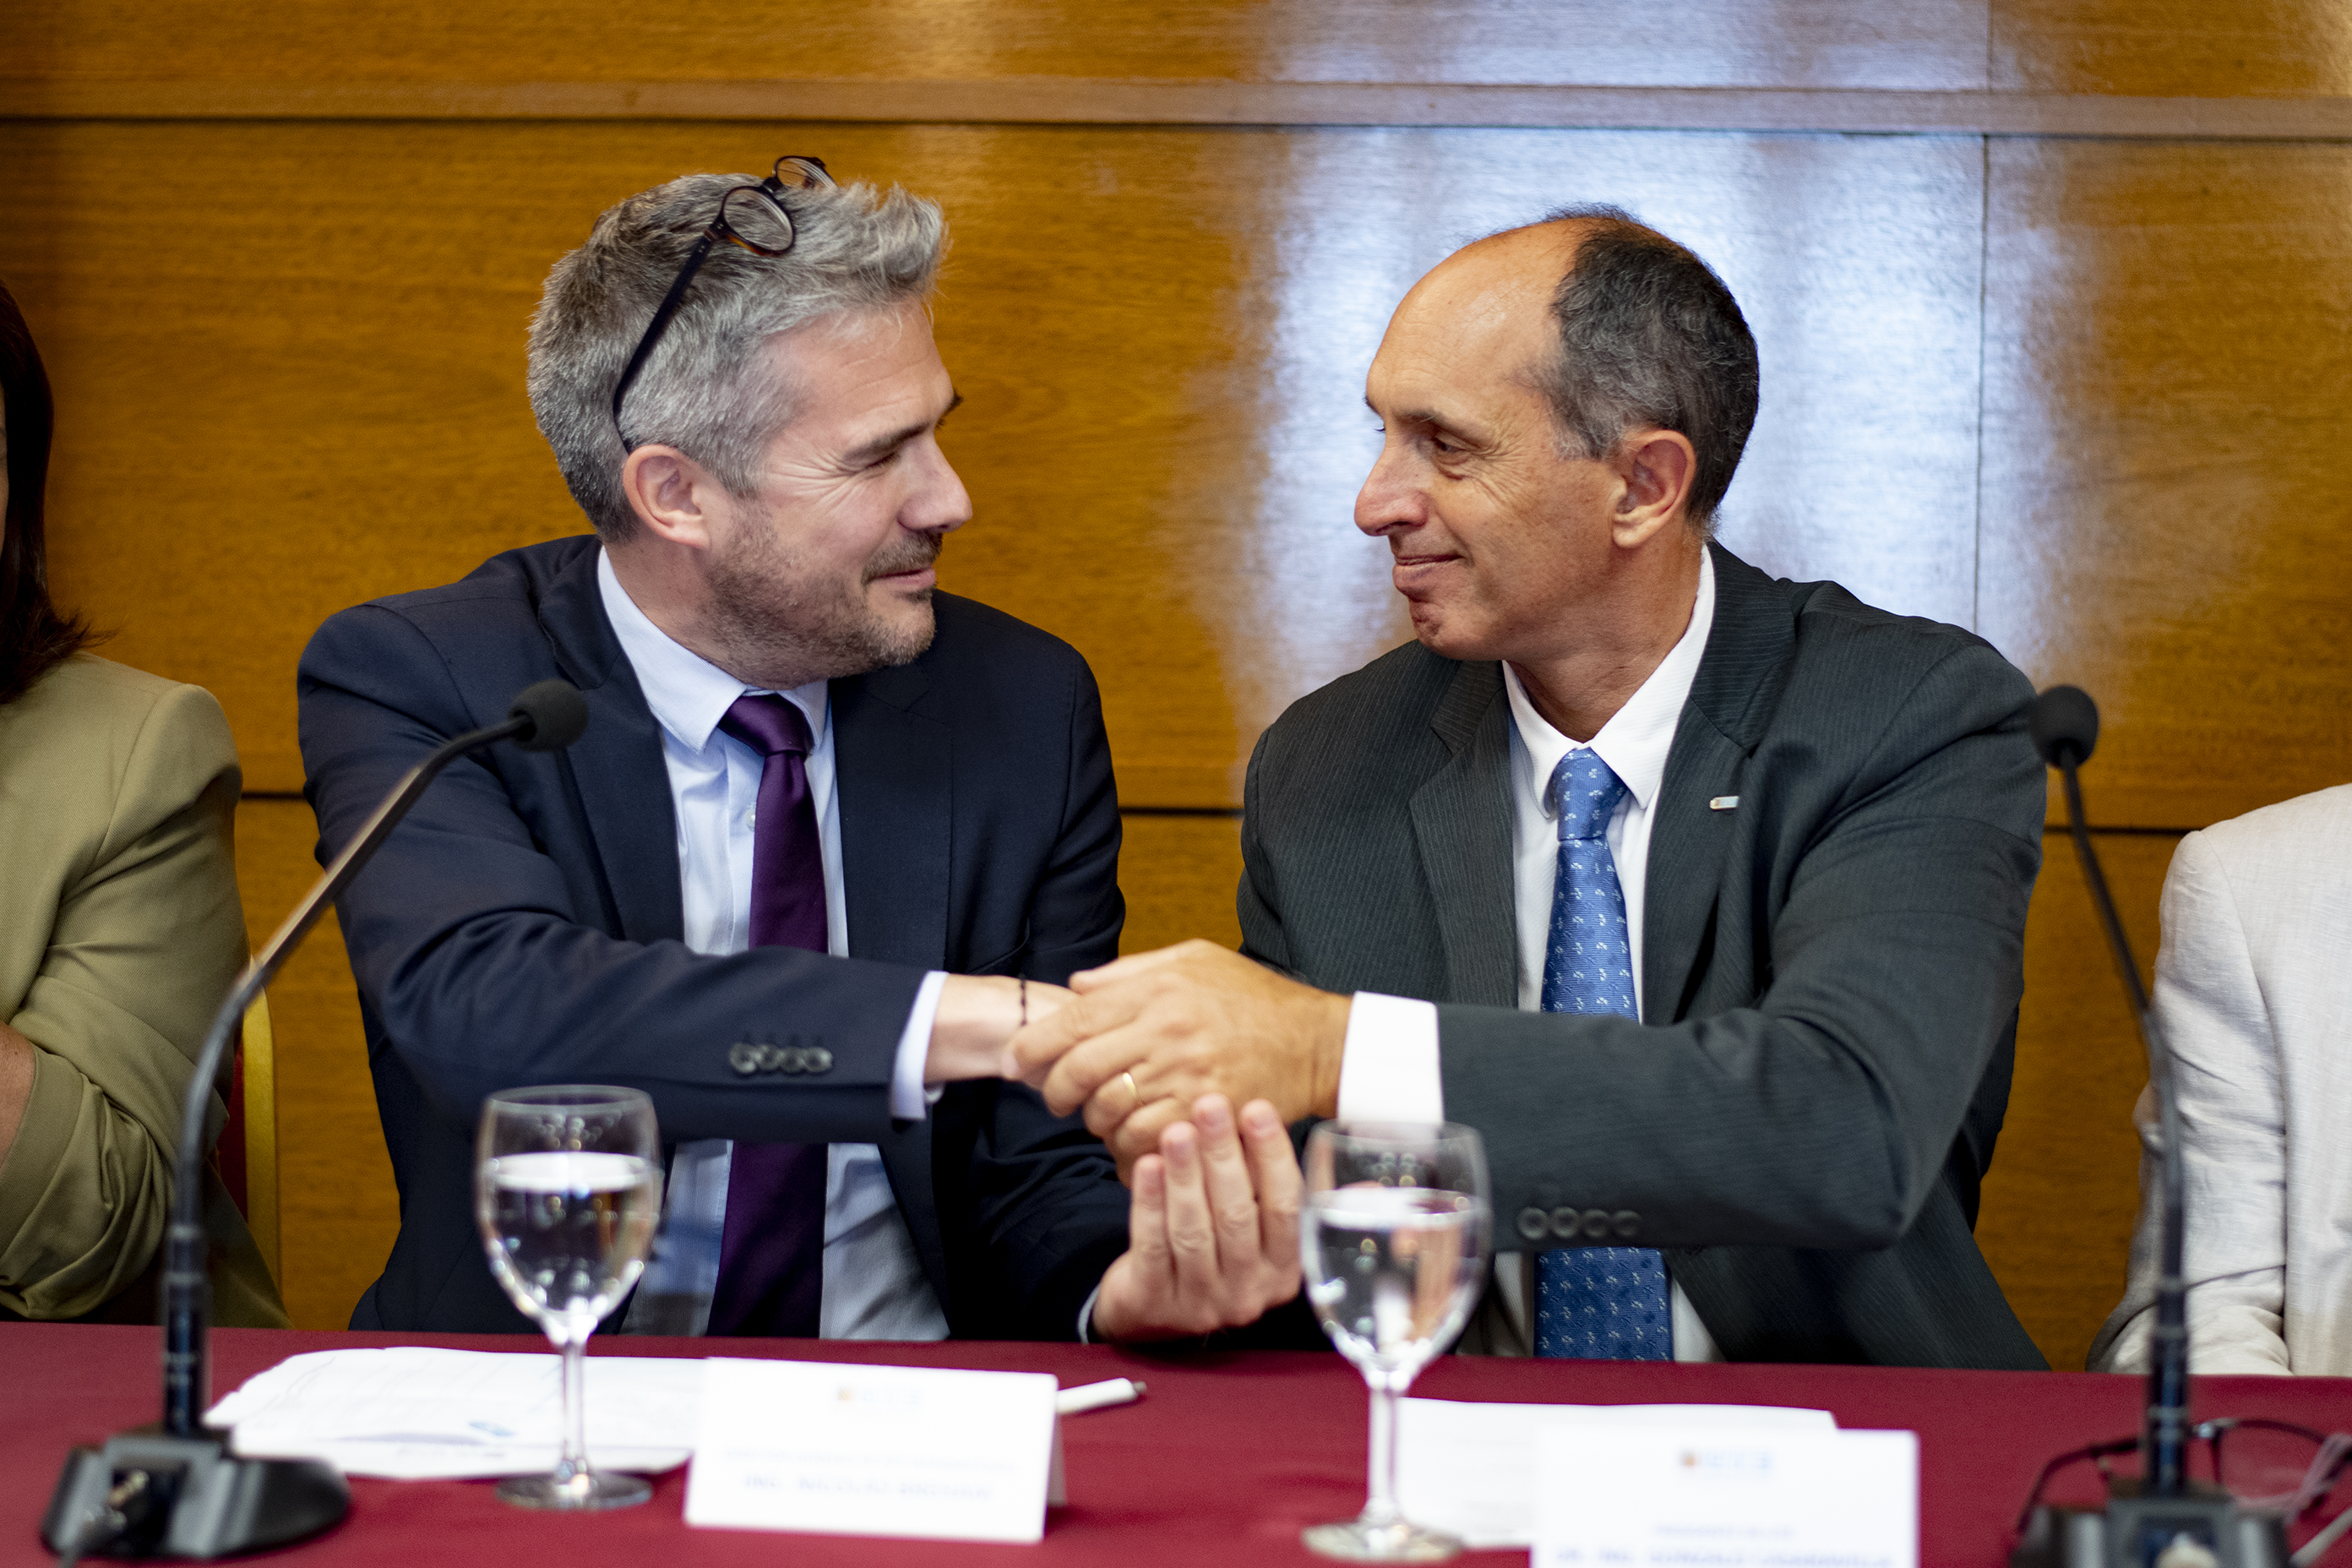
pixel 1222 1463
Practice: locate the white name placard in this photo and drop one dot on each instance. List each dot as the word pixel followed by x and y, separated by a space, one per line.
pixel 1726 1496
pixel 873 1450
pixel 1470 1470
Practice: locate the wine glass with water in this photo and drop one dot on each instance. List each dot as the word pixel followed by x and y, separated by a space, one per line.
pixel 1393 1235
pixel 567 1185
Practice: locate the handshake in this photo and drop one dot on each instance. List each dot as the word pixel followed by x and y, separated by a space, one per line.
pixel 1158 1048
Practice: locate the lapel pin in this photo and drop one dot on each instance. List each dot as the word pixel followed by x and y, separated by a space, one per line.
pixel 1723 803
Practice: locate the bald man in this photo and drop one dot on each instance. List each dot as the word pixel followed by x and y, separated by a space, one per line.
pixel 1700 894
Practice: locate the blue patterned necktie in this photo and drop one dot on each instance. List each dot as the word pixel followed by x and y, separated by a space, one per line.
pixel 1594 1303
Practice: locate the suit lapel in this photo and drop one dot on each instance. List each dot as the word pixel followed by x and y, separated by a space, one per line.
pixel 893 773
pixel 617 766
pixel 1687 841
pixel 1461 823
pixel 1731 697
pixel 892 768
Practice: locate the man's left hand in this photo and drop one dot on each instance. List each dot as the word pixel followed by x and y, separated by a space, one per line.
pixel 1148 1034
pixel 1213 1233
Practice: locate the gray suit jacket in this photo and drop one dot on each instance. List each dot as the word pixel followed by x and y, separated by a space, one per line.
pixel 1831 969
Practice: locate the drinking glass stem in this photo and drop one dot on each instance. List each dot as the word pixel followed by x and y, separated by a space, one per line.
pixel 1380 1502
pixel 573 1467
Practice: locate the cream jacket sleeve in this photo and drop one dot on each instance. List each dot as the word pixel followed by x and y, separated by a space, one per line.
pixel 2254 995
pixel 119 932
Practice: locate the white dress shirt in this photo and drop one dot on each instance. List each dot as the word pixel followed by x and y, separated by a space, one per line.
pixel 875 1287
pixel 1389 1067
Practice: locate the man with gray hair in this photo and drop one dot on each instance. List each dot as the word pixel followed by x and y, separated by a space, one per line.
pixel 1701 895
pixel 830 837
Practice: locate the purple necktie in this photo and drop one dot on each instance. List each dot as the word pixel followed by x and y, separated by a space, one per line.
pixel 772 1252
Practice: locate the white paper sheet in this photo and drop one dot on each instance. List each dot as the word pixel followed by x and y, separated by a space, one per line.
pixel 1471 1469
pixel 1731 1497
pixel 873 1450
pixel 412 1414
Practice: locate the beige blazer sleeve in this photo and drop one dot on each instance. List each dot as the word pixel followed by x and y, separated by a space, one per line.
pixel 120 931
pixel 2254 995
pixel 2226 1075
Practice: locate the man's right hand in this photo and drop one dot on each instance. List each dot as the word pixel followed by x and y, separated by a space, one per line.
pixel 1213 1233
pixel 977 1016
pixel 1148 1034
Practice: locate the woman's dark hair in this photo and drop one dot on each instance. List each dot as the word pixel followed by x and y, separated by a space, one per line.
pixel 33 635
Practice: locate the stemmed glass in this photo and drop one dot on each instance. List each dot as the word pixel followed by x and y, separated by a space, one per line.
pixel 1393 1241
pixel 567 1185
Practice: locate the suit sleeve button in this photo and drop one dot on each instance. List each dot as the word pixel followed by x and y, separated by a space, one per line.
pixel 1532 1223
pixel 1596 1223
pixel 819 1059
pixel 1626 1222
pixel 743 1057
pixel 1564 1221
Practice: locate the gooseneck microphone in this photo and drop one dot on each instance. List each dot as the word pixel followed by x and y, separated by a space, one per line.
pixel 2143 1523
pixel 2066 726
pixel 175 1491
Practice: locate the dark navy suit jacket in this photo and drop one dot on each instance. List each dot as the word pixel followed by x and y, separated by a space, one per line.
pixel 523 926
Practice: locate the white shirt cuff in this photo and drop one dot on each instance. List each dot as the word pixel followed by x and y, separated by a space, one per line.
pixel 1086 1316
pixel 1388 1065
pixel 908 1101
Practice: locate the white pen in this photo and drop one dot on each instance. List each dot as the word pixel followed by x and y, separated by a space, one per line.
pixel 1097 1396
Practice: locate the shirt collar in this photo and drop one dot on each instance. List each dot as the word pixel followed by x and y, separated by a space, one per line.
pixel 1635 740
pixel 688 693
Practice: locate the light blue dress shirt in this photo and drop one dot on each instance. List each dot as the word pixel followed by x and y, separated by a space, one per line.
pixel 875 1287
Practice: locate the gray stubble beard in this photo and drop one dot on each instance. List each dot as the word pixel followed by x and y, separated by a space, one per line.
pixel 778 630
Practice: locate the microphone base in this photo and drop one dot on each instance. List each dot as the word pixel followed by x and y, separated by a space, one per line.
pixel 2206 1529
pixel 198 1500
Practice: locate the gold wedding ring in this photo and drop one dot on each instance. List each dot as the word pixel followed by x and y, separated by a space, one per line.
pixel 1134 1091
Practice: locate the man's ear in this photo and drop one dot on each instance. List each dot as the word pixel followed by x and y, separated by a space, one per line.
pixel 1656 468
pixel 675 498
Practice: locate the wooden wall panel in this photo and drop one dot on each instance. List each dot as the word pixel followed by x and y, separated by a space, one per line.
pixel 2172 47
pixel 2060 1200
pixel 338 1210
pixel 1753 43
pixel 312 410
pixel 2167 477
pixel 1161 334
pixel 1179 874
